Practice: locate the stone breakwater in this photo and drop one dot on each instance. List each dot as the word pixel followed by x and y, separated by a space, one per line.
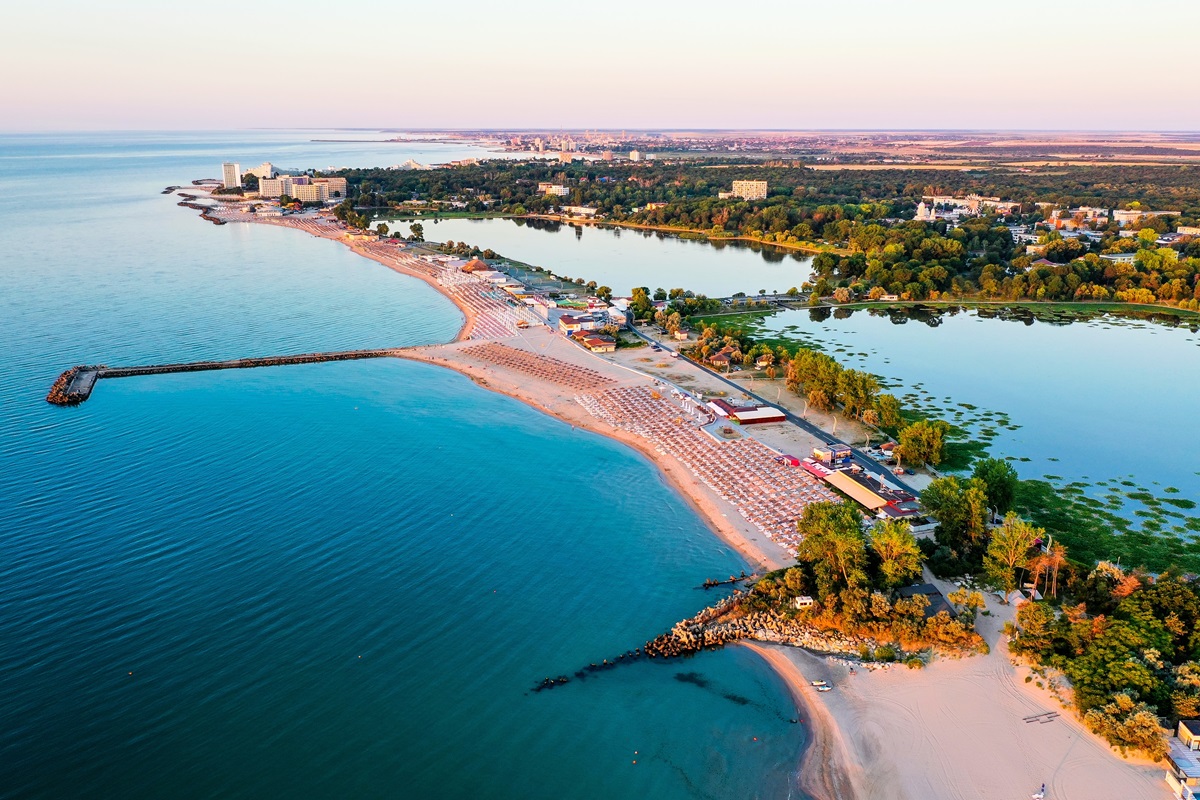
pixel 726 622
pixel 203 209
pixel 722 623
pixel 75 385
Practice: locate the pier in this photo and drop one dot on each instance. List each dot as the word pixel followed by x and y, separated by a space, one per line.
pixel 76 384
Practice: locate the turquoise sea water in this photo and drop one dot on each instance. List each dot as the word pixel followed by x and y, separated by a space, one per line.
pixel 327 580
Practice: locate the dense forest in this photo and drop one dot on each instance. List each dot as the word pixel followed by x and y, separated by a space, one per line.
pixel 619 187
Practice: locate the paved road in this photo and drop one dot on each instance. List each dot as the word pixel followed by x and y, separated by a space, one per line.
pixel 866 462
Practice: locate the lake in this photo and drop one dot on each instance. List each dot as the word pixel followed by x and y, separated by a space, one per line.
pixel 1093 406
pixel 622 258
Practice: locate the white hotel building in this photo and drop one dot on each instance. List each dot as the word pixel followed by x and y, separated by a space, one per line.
pixel 231 175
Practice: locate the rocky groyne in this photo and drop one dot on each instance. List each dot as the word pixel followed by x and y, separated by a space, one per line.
pixel 76 384
pixel 725 622
pixel 203 209
pixel 73 386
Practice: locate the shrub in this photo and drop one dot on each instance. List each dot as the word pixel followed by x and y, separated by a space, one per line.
pixel 1129 725
pixel 886 653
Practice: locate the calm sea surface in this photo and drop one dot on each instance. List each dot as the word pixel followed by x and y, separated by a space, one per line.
pixel 318 581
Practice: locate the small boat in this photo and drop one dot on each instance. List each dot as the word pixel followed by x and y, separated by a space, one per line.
pixel 820 683
pixel 824 688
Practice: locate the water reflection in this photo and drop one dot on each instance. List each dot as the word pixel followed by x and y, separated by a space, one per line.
pixel 626 257
pixel 934 316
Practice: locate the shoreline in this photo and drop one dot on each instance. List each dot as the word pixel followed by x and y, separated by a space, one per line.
pixel 697 496
pixel 686 488
pixel 811 249
pixel 469 314
pixel 958 728
pixel 825 771
pixel 860 745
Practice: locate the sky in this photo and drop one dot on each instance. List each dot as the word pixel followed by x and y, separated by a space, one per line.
pixel 857 64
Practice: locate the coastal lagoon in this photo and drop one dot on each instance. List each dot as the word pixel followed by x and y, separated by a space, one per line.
pixel 623 258
pixel 322 580
pixel 1094 406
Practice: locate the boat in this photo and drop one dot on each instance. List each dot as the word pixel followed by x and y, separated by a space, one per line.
pixel 824 688
pixel 820 683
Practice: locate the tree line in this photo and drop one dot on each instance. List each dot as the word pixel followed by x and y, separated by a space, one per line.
pixel 827 385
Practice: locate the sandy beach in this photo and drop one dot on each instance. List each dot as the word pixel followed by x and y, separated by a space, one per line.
pixel 956 729
pixel 759 551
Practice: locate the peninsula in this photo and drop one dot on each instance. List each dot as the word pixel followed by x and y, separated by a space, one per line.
pixel 878 729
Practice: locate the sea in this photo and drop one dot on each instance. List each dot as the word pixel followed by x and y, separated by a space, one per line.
pixel 328 580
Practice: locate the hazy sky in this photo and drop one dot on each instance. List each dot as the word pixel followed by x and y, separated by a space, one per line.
pixel 71 64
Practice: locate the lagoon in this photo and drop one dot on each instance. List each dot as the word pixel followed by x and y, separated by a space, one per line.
pixel 1094 406
pixel 623 258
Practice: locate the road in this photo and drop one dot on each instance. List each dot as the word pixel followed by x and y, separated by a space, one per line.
pixel 866 462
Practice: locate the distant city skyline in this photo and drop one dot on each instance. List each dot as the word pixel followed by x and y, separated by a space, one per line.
pixel 473 65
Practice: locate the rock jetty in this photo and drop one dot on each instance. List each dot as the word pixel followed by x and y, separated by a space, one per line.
pixel 722 623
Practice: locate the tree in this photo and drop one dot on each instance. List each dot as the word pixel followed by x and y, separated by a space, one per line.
pixel 922 442
pixel 1000 483
pixel 1035 629
pixel 870 418
pixel 899 556
pixel 1129 725
pixel 418 232
pixel 1185 699
pixel 1056 559
pixel 640 303
pixel 1008 551
pixel 889 410
pixel 857 391
pixel 961 512
pixel 832 543
pixel 604 293
pixel 382 229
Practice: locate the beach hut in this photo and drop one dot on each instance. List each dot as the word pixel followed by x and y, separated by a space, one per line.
pixel 1189 733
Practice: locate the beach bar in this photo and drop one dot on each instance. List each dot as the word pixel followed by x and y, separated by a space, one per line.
pixel 855 491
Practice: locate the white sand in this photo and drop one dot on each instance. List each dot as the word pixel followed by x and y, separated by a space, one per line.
pixel 953 730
